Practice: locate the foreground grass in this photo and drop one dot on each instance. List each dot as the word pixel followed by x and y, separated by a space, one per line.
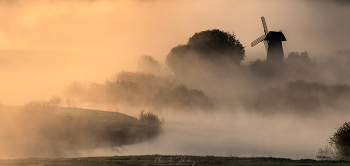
pixel 151 160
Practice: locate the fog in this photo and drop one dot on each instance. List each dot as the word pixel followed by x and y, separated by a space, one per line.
pixel 47 45
pixel 242 135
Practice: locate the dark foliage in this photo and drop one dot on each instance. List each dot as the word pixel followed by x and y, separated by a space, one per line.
pixel 341 141
pixel 206 47
pixel 150 118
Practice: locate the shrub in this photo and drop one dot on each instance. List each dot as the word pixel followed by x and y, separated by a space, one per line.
pixel 326 153
pixel 71 103
pixel 150 118
pixel 341 141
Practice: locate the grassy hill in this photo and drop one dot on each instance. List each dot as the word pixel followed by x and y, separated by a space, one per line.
pixel 152 160
pixel 39 130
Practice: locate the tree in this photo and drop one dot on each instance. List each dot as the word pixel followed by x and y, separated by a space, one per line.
pixel 211 47
pixel 341 140
pixel 148 64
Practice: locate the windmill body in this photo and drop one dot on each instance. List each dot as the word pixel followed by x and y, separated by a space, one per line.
pixel 273 44
pixel 275 52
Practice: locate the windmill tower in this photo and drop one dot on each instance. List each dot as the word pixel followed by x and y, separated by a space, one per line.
pixel 273 45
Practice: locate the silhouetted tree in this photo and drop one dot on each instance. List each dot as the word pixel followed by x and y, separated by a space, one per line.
pixel 341 140
pixel 213 47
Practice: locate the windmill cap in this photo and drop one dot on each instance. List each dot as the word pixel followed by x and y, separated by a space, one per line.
pixel 272 35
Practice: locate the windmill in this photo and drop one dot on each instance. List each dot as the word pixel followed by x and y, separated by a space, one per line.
pixel 273 44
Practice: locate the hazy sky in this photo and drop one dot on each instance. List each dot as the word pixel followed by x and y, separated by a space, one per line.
pixel 53 43
pixel 154 27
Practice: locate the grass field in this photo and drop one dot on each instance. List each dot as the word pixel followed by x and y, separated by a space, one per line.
pixel 164 160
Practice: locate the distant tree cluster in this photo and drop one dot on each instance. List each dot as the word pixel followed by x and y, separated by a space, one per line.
pixel 51 104
pixel 300 66
pixel 300 58
pixel 296 65
pixel 303 97
pixel 141 89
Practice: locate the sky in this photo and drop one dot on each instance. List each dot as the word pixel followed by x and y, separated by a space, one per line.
pixel 66 41
pixel 155 26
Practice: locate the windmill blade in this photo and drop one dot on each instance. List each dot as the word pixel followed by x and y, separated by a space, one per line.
pixel 258 40
pixel 266 45
pixel 264 25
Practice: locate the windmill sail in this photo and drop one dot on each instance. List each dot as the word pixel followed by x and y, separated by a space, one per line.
pixel 266 43
pixel 264 25
pixel 258 40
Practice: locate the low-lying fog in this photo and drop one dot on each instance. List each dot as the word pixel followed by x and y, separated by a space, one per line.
pixel 47 46
pixel 241 134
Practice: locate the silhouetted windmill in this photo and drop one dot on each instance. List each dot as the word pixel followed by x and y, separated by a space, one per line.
pixel 273 44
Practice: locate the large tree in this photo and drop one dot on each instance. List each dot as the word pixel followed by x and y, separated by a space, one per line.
pixel 210 47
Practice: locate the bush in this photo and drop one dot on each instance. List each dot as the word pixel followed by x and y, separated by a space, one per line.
pixel 150 118
pixel 326 153
pixel 341 141
pixel 43 107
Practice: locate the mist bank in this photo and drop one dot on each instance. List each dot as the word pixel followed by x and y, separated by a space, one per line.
pixel 304 85
pixel 242 134
pixel 257 111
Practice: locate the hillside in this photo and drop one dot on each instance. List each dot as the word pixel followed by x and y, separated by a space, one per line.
pixel 45 131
